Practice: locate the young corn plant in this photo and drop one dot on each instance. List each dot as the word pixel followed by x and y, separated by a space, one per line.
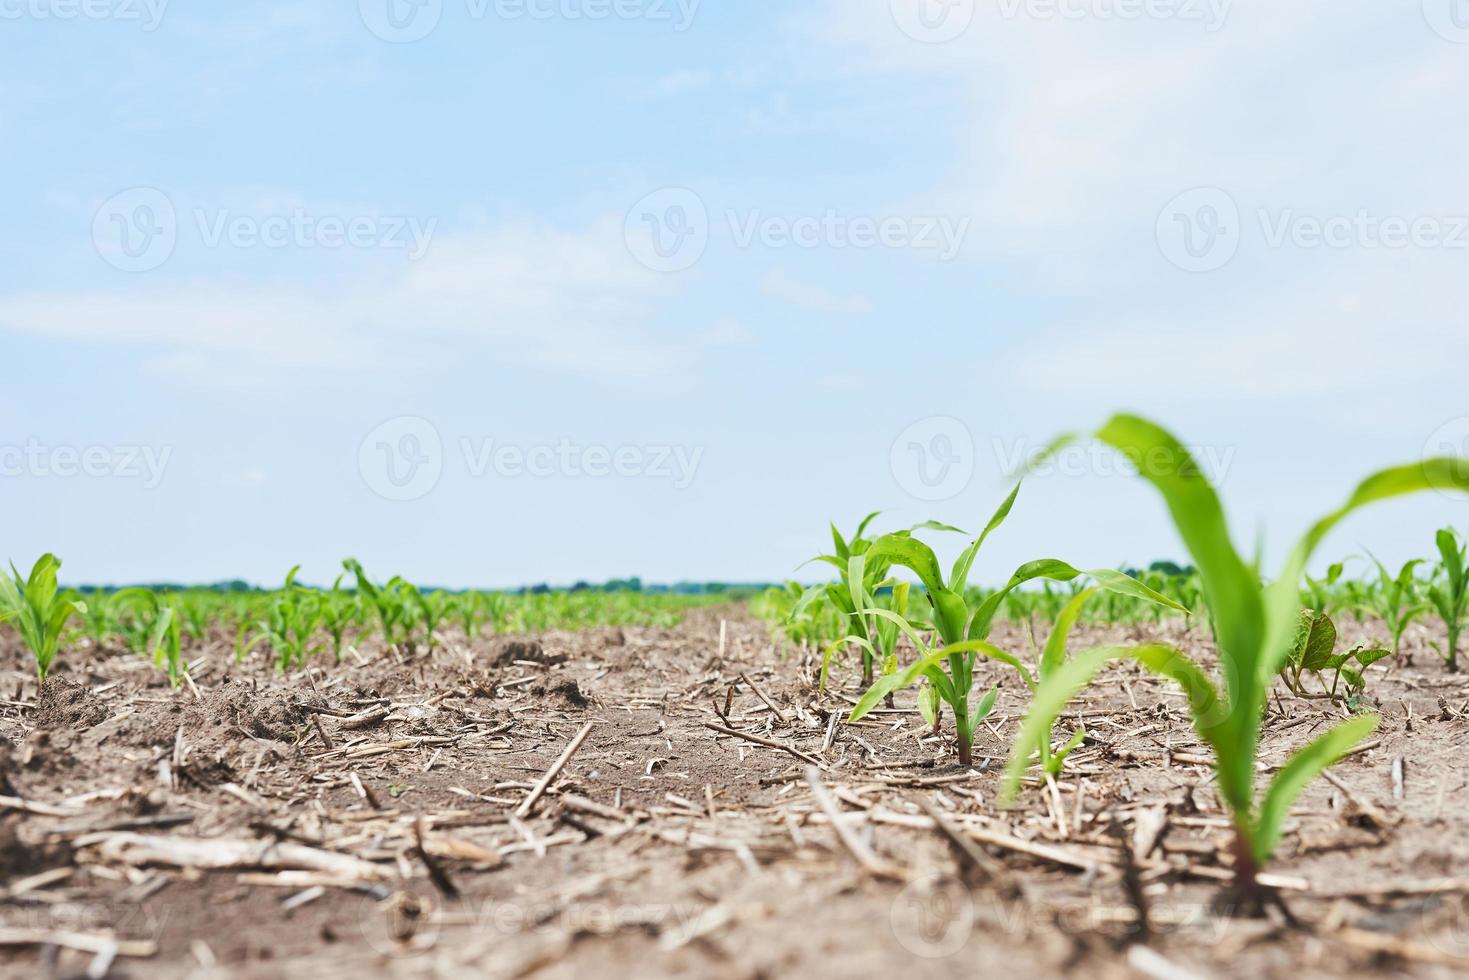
pixel 38 610
pixel 291 622
pixel 469 609
pixel 196 613
pixel 166 644
pixel 963 627
pixel 135 611
pixel 393 613
pixel 1255 626
pixel 339 610
pixel 841 596
pixel 1449 593
pixel 1319 592
pixel 1052 659
pixel 1396 600
pixel 877 636
pixel 432 608
pixel 98 622
pixel 497 611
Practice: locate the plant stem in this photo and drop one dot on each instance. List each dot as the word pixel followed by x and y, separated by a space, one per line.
pixel 1246 888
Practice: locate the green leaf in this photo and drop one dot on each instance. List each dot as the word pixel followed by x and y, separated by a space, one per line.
pixel 1058 758
pixel 1054 654
pixel 881 688
pixel 863 526
pixel 1369 657
pixel 1231 587
pixel 937 526
pixel 912 554
pixel 1320 643
pixel 838 545
pixel 1453 560
pixel 808 597
pixel 1297 773
pixel 959 576
pixel 1059 571
pixel 928 704
pixel 985 707
pixel 1069 678
pixel 832 648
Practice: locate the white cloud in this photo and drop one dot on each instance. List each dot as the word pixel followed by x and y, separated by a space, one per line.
pixel 672 85
pixel 727 332
pixel 1071 135
pixel 809 296
pixel 528 293
pixel 1076 132
pixel 1359 337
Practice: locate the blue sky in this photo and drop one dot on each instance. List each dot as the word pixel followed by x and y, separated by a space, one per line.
pixel 505 291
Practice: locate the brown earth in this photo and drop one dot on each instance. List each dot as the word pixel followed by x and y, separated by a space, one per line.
pixel 367 815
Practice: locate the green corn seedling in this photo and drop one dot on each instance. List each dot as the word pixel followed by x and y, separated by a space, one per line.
pixel 166 644
pixel 840 595
pixel 1052 659
pixel 339 610
pixel 194 611
pixel 291 622
pixel 878 636
pixel 963 630
pixel 136 610
pixel 98 620
pixel 497 611
pixel 1396 600
pixel 245 643
pixel 386 600
pixel 471 613
pixel 1255 626
pixel 37 610
pixel 1449 593
pixel 433 607
pixel 1318 592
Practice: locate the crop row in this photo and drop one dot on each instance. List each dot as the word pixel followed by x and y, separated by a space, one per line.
pixel 297 623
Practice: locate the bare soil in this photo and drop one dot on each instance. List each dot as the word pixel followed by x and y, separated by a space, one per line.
pixel 371 819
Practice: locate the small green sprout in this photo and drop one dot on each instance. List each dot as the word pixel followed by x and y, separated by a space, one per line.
pixel 432 607
pixel 291 622
pixel 1396 600
pixel 166 644
pixel 386 600
pixel 39 611
pixel 339 610
pixel 842 596
pixel 1449 593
